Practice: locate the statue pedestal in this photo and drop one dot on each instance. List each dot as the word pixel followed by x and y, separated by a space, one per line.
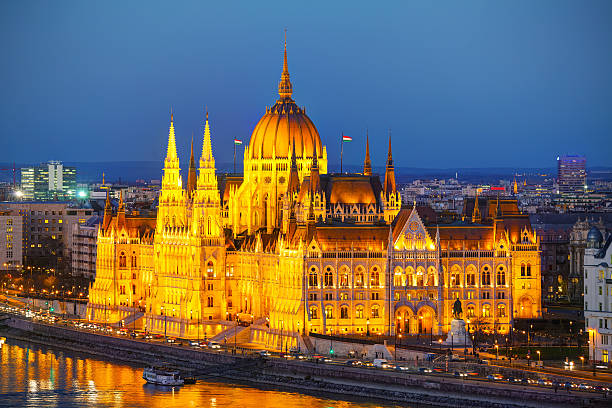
pixel 457 335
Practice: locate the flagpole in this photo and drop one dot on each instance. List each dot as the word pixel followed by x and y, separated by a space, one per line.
pixel 341 149
pixel 234 157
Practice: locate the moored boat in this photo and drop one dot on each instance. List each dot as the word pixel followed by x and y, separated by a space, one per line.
pixel 162 376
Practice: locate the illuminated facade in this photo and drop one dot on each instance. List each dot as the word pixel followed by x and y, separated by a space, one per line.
pixel 305 250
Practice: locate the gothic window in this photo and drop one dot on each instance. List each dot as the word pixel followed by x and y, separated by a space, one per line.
pixel 399 278
pixel 134 263
pixel 501 276
pixel 210 270
pixel 209 226
pixel 470 311
pixel 375 310
pixel 486 310
pixel 410 276
pixel 328 278
pixel 501 310
pixel 528 272
pixel 523 269
pixel 314 312
pixel 329 312
pixel 359 312
pixel 455 278
pixel 122 260
pixel 313 279
pixel 431 276
pixel 486 276
pixel 359 277
pixel 420 277
pixel 210 301
pixel 470 277
pixel 344 312
pixel 344 277
pixel 374 277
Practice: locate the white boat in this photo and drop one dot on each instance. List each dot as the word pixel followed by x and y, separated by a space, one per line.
pixel 162 376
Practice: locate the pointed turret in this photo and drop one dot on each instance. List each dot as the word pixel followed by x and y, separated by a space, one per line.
pixel 285 90
pixel 293 186
pixel 192 175
pixel 315 180
pixel 121 212
pixel 108 212
pixel 367 164
pixel 171 152
pixel 476 218
pixel 515 186
pixel 390 187
pixel 498 211
pixel 207 160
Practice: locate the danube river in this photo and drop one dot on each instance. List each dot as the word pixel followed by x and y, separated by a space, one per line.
pixel 38 376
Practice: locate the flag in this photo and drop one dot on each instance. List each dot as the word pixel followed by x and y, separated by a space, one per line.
pixel 237 141
pixel 346 138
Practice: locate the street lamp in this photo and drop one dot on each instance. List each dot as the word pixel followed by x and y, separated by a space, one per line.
pixel 497 351
pixel 582 362
pixel 538 356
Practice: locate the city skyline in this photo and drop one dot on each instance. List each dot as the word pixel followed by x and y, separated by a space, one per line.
pixel 471 90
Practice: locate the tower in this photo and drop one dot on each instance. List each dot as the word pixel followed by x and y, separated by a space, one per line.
pixel 390 196
pixel 367 164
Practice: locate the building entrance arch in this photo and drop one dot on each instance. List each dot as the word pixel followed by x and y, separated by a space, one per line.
pixel 403 317
pixel 425 320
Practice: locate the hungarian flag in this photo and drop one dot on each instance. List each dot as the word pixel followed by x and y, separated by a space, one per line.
pixel 237 141
pixel 346 138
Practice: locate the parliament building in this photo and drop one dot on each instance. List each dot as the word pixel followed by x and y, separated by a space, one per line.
pixel 299 250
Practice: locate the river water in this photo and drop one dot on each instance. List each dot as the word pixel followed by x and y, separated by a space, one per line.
pixel 38 376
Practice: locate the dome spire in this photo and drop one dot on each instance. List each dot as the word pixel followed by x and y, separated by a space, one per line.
pixel 285 89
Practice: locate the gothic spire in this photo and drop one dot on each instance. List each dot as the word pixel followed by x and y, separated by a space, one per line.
pixel 390 172
pixel 191 177
pixel 476 211
pixel 171 153
pixel 207 159
pixel 285 89
pixel 315 181
pixel 294 180
pixel 367 164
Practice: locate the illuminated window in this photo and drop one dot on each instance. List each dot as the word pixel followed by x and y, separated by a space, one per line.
pixel 329 312
pixel 344 312
pixel 314 312
pixel 313 279
pixel 470 311
pixel 210 269
pixel 122 260
pixel 501 276
pixel 486 276
pixel 344 277
pixel 328 277
pixel 501 310
pixel 359 277
pixel 343 296
pixel 60 221
pixel 375 310
pixel 604 356
pixel 46 221
pixel 486 310
pixel 374 277
pixel 359 312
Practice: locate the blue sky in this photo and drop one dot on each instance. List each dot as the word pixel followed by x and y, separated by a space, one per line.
pixel 460 83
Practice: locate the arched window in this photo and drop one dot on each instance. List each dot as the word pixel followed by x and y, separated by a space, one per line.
pixel 209 226
pixel 522 269
pixel 470 311
pixel 431 276
pixel 410 276
pixel 210 301
pixel 328 277
pixel 134 261
pixel 470 277
pixel 375 310
pixel 455 278
pixel 314 312
pixel 501 276
pixel 398 278
pixel 122 260
pixel 374 277
pixel 344 277
pixel 528 273
pixel 359 277
pixel 359 312
pixel 486 310
pixel 210 270
pixel 501 310
pixel 313 280
pixel 344 312
pixel 420 277
pixel 486 276
pixel 329 312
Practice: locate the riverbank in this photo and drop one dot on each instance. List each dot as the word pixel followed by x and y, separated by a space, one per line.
pixel 298 375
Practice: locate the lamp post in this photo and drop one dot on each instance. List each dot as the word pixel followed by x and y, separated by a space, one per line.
pixel 497 351
pixel 368 327
pixel 538 356
pixel 582 362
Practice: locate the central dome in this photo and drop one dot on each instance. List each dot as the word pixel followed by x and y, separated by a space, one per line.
pixel 284 125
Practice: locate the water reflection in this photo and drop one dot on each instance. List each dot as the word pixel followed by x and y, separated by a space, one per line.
pixel 33 376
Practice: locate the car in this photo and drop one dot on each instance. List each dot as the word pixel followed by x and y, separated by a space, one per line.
pixel 381 363
pixel 584 387
pixel 213 345
pixel 194 344
pixel 459 374
pixel 170 340
pixel 148 337
pixel 353 363
pixel 425 370
pixel 263 353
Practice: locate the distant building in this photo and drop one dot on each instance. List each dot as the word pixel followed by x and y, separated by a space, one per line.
pixel 47 230
pixel 11 236
pixel 48 181
pixel 83 251
pixel 597 295
pixel 571 174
